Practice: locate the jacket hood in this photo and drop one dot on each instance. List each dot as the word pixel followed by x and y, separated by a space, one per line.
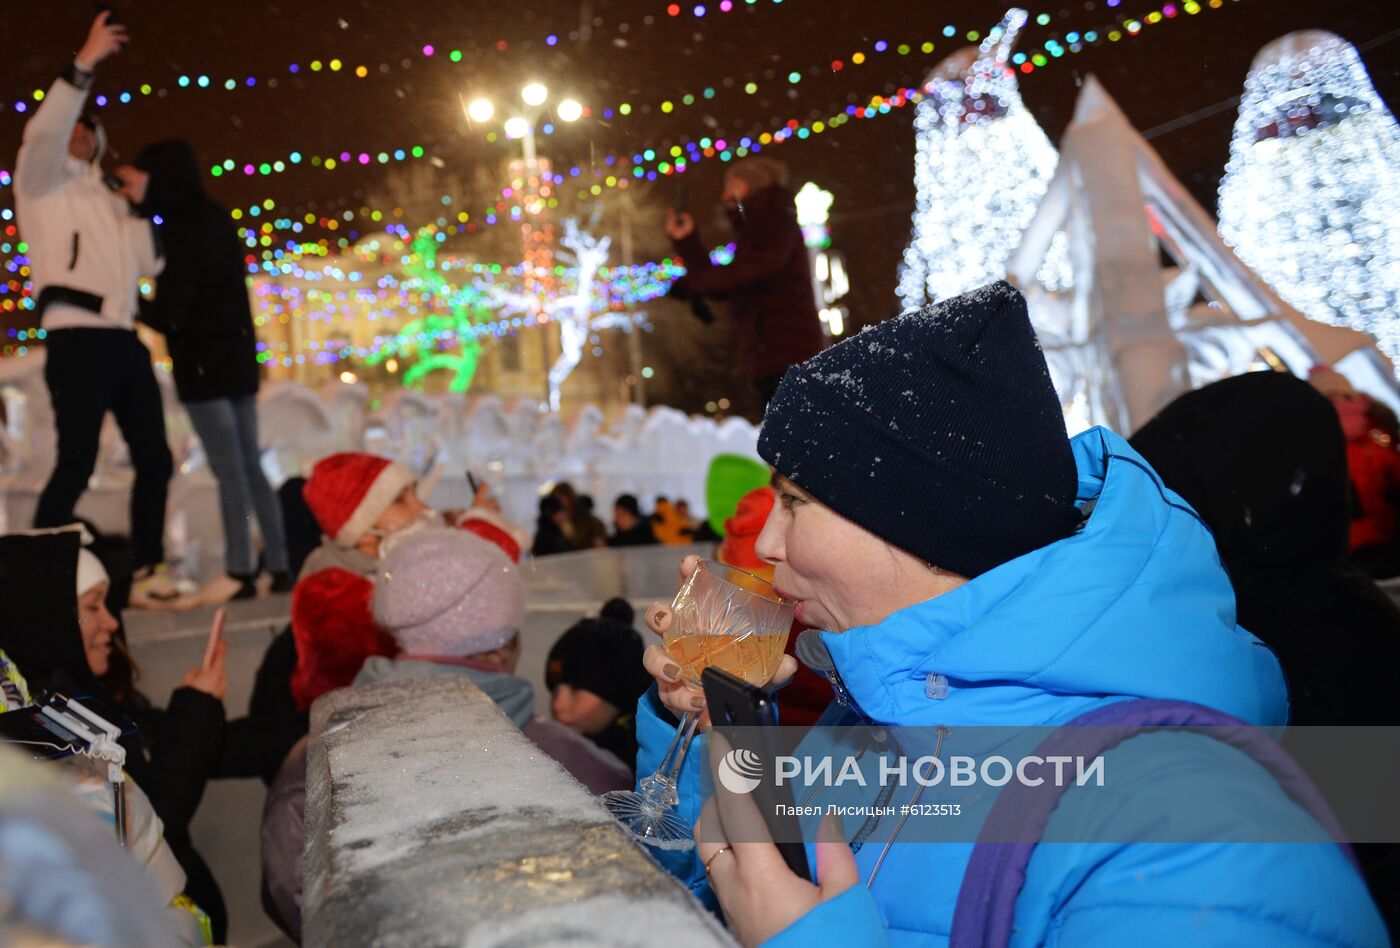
pixel 514 696
pixel 175 178
pixel 38 584
pixel 99 136
pixel 1134 604
pixel 1284 503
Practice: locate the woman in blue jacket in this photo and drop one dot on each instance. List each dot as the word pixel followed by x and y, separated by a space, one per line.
pixel 973 566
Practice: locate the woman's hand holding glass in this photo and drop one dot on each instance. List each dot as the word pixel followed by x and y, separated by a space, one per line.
pixel 721 617
pixel 676 693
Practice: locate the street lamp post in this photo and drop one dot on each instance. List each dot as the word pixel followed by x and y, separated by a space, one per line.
pixel 533 186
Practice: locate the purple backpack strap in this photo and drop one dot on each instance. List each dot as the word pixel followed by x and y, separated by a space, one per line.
pixel 996 871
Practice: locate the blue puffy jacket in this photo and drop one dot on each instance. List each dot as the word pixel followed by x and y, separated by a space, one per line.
pixel 1135 605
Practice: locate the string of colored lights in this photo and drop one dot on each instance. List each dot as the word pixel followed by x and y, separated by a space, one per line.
pixel 1027 62
pixel 1051 49
pixel 693 153
pixel 199 81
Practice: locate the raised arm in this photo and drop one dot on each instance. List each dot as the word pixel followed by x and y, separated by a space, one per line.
pixel 47 134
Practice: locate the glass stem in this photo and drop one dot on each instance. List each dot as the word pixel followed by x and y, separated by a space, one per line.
pixel 660 789
pixel 665 766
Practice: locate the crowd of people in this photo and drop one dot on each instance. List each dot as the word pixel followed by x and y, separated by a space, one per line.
pixel 966 561
pixel 567 523
pixel 396 591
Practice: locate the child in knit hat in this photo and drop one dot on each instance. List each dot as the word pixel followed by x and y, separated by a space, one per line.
pixel 360 501
pixel 595 676
pixel 454 605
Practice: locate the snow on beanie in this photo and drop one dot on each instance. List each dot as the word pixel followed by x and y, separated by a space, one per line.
pixel 450 593
pixel 348 492
pixel 938 431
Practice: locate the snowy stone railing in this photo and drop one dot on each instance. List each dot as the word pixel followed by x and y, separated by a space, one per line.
pixel 431 820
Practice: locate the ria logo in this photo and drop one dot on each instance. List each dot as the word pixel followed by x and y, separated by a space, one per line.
pixel 740 771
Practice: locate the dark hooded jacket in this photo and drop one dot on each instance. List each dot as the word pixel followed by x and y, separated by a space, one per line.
pixel 768 283
pixel 174 752
pixel 1262 459
pixel 201 299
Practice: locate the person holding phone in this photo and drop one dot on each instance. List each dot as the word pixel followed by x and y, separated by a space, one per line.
pixel 61 637
pixel 768 284
pixel 970 565
pixel 88 251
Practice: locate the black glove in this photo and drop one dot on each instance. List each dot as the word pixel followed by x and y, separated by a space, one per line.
pixel 701 310
pixel 680 289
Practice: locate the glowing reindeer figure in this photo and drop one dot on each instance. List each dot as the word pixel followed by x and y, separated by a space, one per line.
pixel 574 312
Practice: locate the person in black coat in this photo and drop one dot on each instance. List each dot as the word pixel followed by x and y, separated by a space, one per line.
pixel 630 527
pixel 549 528
pixel 768 284
pixel 201 306
pixel 173 753
pixel 1262 459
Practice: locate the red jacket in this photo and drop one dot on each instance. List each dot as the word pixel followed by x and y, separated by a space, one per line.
pixel 768 284
pixel 332 622
pixel 1374 470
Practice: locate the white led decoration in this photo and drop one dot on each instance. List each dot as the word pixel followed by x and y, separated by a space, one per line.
pixel 980 169
pixel 1311 194
pixel 813 211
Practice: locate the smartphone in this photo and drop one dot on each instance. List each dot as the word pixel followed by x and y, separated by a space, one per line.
pixel 113 183
pixel 102 709
pixel 38 736
pixel 748 718
pixel 473 483
pixel 113 18
pixel 42 738
pixel 682 198
pixel 216 632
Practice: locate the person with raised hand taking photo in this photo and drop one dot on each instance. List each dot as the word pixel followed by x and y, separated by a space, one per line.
pixel 88 251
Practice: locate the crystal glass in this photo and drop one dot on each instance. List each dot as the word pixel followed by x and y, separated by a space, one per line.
pixel 723 617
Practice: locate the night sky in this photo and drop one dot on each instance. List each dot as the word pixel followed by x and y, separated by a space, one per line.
pixel 613 51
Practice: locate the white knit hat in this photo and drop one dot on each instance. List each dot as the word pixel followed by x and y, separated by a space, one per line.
pixel 91 572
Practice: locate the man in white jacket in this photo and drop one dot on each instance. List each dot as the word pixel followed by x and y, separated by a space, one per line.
pixel 88 252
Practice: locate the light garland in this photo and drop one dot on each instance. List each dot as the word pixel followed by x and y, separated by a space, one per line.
pixel 1311 193
pixel 273 217
pixel 446 320
pixel 981 166
pixel 1053 48
pixel 331 66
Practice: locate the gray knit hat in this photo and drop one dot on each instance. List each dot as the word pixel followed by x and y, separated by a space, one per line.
pixel 448 592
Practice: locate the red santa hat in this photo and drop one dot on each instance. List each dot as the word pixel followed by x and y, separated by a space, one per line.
pixel 348 492
pixel 493 527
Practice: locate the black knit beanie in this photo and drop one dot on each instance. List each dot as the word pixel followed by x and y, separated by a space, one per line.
pixel 938 431
pixel 603 656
